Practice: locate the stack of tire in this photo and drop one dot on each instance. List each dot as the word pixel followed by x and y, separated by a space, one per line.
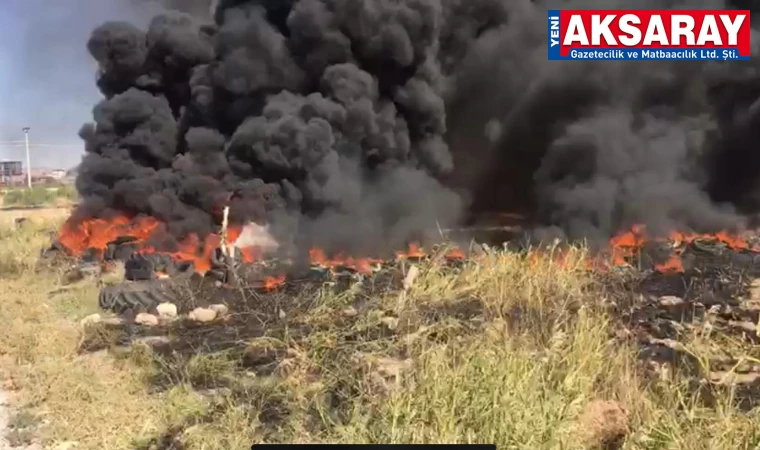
pixel 143 290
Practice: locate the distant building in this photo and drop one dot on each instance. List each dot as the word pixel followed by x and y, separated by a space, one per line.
pixel 39 173
pixel 10 169
pixel 13 173
pixel 57 174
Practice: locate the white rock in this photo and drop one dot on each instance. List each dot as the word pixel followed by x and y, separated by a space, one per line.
pixel 167 310
pixel 411 275
pixel 149 320
pixel 91 319
pixel 734 378
pixel 202 315
pixel 152 341
pixel 114 321
pixel 390 322
pixel 749 327
pixel 670 300
pixel 221 310
pixel 350 312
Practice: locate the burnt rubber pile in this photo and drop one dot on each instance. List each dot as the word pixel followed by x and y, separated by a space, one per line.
pixel 141 281
pixel 702 321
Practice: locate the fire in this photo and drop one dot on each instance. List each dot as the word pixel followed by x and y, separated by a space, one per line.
pixel 455 254
pixel 367 265
pixel 627 245
pixel 362 265
pixel 272 283
pixel 251 241
pixel 414 251
pixel 673 264
pixel 80 236
pixel 254 242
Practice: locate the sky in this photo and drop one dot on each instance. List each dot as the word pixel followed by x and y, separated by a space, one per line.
pixel 47 77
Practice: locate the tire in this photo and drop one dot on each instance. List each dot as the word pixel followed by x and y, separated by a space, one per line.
pixel 137 296
pixel 121 249
pixel 712 248
pixel 141 267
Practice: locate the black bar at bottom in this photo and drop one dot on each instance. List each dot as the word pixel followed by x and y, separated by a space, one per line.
pixel 373 447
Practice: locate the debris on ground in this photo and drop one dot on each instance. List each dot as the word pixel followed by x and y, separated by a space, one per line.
pixel 603 424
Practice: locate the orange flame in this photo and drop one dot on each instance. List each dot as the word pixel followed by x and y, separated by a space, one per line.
pixel 672 265
pixel 96 234
pixel 627 244
pixel 79 236
pixel 455 254
pixel 272 283
pixel 361 265
pixel 413 251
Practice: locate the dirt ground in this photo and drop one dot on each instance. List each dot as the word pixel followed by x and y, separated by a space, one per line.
pixel 7 439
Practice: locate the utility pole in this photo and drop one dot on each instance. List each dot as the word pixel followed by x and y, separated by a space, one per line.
pixel 28 159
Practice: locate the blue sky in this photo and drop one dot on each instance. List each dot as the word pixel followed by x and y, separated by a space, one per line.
pixel 47 78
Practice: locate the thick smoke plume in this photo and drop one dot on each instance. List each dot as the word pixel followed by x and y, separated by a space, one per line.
pixel 323 114
pixel 601 145
pixel 362 124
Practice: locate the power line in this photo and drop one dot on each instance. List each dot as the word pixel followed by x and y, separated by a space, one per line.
pixel 22 144
pixel 49 146
pixel 21 147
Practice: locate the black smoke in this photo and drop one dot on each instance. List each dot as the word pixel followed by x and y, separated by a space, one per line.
pixel 323 115
pixel 587 148
pixel 363 124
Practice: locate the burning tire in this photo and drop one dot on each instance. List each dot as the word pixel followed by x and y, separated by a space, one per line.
pixel 142 267
pixel 136 296
pixel 147 267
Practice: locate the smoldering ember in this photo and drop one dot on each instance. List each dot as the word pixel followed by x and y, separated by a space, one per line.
pixel 349 132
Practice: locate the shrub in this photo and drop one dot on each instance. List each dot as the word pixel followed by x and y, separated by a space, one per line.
pixel 39 195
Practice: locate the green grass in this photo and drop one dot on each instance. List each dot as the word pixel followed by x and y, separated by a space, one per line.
pixel 39 195
pixel 511 350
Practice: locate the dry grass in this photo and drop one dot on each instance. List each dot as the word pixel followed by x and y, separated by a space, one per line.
pixel 40 215
pixel 510 350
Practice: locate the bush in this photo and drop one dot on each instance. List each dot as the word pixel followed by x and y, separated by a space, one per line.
pixel 39 195
pixel 67 192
